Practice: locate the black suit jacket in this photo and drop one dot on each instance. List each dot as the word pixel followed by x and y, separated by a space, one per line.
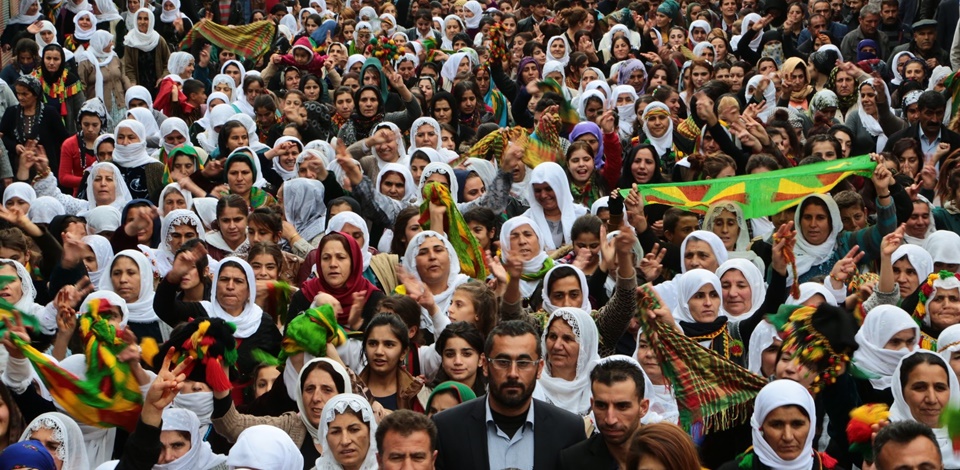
pixel 946 135
pixel 591 453
pixel 462 435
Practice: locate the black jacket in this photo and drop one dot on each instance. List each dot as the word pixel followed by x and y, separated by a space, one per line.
pixel 591 453
pixel 462 436
pixel 946 135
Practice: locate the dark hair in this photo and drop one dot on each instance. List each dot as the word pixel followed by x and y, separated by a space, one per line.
pixel 474 339
pixel 816 139
pixel 512 328
pixel 563 272
pixel 396 325
pixel 529 46
pixel 398 245
pixel 912 361
pixel 762 160
pixel 486 218
pixel 15 423
pixel 931 100
pixel 326 367
pixel 587 223
pixel 446 96
pixel 266 102
pixel 250 79
pixel 485 304
pixel 191 86
pixel 549 99
pixel 615 371
pixel 27 45
pixel 714 164
pixel 907 143
pixel 266 217
pixel 662 93
pixel 343 90
pixel 232 200
pixel 224 137
pixel 266 248
pixel 665 443
pixel 672 217
pixel 405 423
pixel 849 198
pixel 202 261
pixel 902 432
pixel 464 86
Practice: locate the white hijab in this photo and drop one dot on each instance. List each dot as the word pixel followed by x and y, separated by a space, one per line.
pixel 573 396
pixel 84 34
pixel 410 192
pixel 72 451
pixel 748 21
pixel 931 229
pixel 172 15
pixel 918 258
pixel 688 285
pixel 553 174
pixel 562 59
pixel 758 289
pixel 99 59
pixel 417 124
pixel 762 337
pixel 808 254
pixel 454 278
pixel 769 95
pixel 477 10
pixel 303 206
pixel 248 321
pixel 23 17
pixel 138 92
pixel 535 264
pixel 141 311
pixel 44 209
pixel 948 342
pixel 879 326
pixel 135 154
pixel 711 239
pixel 664 143
pixel 871 124
pixel 108 11
pixel 163 256
pixel 900 410
pixel 21 190
pixel 284 173
pixel 170 188
pixel 810 289
pixel 296 392
pixel 336 225
pixel 584 288
pixel 200 456
pixel 942 247
pixel 627 112
pixel 27 304
pixel 103 250
pixel 265 446
pixel 337 406
pixel 772 396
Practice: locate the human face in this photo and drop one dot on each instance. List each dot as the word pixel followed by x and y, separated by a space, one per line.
pixel 545 196
pixel 411 452
pixel 728 8
pixel 266 377
pixel 920 453
pixel 318 389
pixel 593 109
pixel 363 36
pixel 926 393
pixel 238 138
pixel 930 119
pixel 905 274
pixel 658 124
pixel 468 102
pixel 786 429
pixel 617 408
pixel 13 290
pixel 481 233
pixel 919 221
pixel 45 436
pixel 925 37
pixel 433 261
pixel 790 367
pixel 252 91
pixel 234 72
pixel 621 48
pixel 52 61
pixel 649 362
pixel 914 71
pixel 705 304
pixel 383 350
pixel 462 308
pixel 539 56
pixel 815 224
pixel 685 226
pixel 869 24
pixel 452 28
pixel 904 339
pixel 392 186
pixel 530 72
pixel 737 293
pixel 265 267
pixel 525 240
pixel 511 383
pixel 699 255
pixel 566 292
pixel 426 88
pixel 945 308
pixel 473 188
pixel 335 264
pixel 105 152
pixel 563 349
pixel 676 36
pixel 240 178
pixel 868 98
pixel 844 84
pixel 442 112
pixel 180 234
pixel 580 164
pixel 233 226
pixel 232 290
pixel 173 445
pixel 643 166
pixel 460 361
pixel 845 142
pixel 349 439
pixel 853 218
pixel 726 227
pixel 125 277
pixel 447 140
pixel 558 48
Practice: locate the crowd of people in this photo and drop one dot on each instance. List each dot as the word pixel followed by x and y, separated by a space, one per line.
pixel 648 234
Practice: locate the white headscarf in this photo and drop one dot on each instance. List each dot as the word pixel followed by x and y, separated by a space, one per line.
pixel 573 396
pixel 337 406
pixel 758 290
pixel 664 143
pixel 711 239
pixel 931 228
pixel 75 8
pixel 772 396
pixel 167 127
pixel 218 117
pixel 277 167
pixel 200 456
pixel 44 209
pixel 942 247
pixel 145 117
pixel 178 62
pixel 939 73
pixel 248 321
pixel 303 206
pixel 748 21
pixel 401 151
pixel 762 337
pixel 949 283
pixel 810 255
pixel 769 95
pixel 102 219
pixel 354 59
pixel 527 288
pixel 141 311
pixel 265 446
pixel 337 222
pixel 452 64
pixel 20 190
pixel 410 189
pixel 447 43
pixel 441 168
pixel 420 122
pixel 883 322
pixel 122 193
pixel 698 24
pixel 72 451
pixel 84 34
pixel 46 26
pixel 164 255
pixel 810 289
pixel 206 208
pixel 29 294
pixel 566 52
pixel 135 154
pixel 582 102
pixel 23 17
pixel 454 278
pixel 108 11
pixel 900 410
pixel 103 250
pixel 554 175
pixel 948 342
pixel 227 80
pixel 661 395
pixel 172 15
pixel 897 76
pixel 918 257
pixel 99 59
pixel 584 288
pixel 741 248
pixel 171 188
pixel 688 285
pixel 293 380
pixel 627 112
pixel 871 124
pixel 138 92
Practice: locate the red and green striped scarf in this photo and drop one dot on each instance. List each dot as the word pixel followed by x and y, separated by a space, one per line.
pixel 457 230
pixel 249 41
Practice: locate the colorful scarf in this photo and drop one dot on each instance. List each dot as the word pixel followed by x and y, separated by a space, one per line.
pixel 109 395
pixel 355 281
pixel 60 90
pixel 168 159
pixel 278 299
pixel 308 332
pixel 458 232
pixel 251 40
pixel 713 393
pixel 208 342
pixel 495 144
pixel 260 198
pixel 759 195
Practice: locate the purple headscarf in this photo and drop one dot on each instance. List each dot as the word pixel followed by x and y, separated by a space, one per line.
pixel 866 55
pixel 587 127
pixel 523 63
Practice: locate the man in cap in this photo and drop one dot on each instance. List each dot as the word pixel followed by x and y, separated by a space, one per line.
pixel 924 45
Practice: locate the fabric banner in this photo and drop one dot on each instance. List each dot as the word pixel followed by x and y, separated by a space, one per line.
pixel 759 195
pixel 249 41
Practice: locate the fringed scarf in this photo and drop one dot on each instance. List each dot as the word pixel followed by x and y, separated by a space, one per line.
pixel 458 232
pixel 308 332
pixel 62 88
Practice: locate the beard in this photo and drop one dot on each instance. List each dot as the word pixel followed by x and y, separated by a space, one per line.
pixel 513 398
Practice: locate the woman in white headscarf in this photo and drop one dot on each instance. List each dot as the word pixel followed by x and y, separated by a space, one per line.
pixel 948 343
pixel 341 412
pixel 472 14
pixel 553 51
pixel 303 207
pixel 624 98
pixel 132 279
pixel 925 371
pixel 265 446
pixel 44 209
pixel 744 290
pixel 103 220
pixel 138 96
pixel 940 246
pixel 901 275
pixel 887 335
pixel 22 295
pixel 425 132
pixel 551 204
pixel 494 198
pixel 102 74
pixel 659 131
pixel 661 392
pixel 773 447
pixel 548 305
pixel 105 187
pixel 102 254
pixel 874 119
pixel 20 196
pixel 171 239
pixel 351 223
pixel 754 44
pixel 570 344
pixel 764 348
pixel 150 126
pixel 143 175
pixel 174 197
pixel 209 139
pixel 84 26
pixel 769 95
pixel 521 234
pixel 554 70
pixel 59 431
pixel 177 421
pixel 442 280
pixel 109 15
pixel 173 25
pixel 726 220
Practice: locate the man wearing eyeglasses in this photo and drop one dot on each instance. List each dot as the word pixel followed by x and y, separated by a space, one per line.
pixel 507 428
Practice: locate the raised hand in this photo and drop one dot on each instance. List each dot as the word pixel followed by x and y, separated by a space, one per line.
pixel 787 239
pixel 15 327
pixel 651 266
pixel 846 268
pixel 892 241
pixel 164 389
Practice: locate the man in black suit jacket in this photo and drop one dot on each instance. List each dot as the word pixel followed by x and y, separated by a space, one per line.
pixel 929 130
pixel 618 405
pixel 500 431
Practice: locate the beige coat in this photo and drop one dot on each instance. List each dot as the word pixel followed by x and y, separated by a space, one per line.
pixel 115 83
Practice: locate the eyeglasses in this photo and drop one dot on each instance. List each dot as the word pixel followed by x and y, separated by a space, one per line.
pixel 503 363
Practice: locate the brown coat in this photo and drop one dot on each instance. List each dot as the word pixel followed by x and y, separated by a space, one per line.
pixel 115 83
pixel 131 64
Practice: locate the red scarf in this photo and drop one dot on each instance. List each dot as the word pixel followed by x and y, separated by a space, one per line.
pixel 355 282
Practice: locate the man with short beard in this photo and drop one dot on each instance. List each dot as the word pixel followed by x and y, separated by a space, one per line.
pixel 929 130
pixel 618 406
pixel 508 428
